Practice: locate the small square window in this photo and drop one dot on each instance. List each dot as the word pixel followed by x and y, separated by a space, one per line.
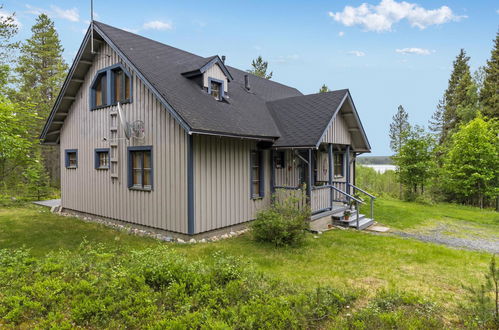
pixel 71 158
pixel 101 159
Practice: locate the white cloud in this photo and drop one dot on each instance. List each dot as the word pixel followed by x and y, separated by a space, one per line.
pixel 356 53
pixel 55 12
pixel 4 14
pixel 381 17
pixel 70 14
pixel 413 50
pixel 341 34
pixel 157 25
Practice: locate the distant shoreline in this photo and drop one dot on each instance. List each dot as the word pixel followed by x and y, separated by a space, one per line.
pixel 380 168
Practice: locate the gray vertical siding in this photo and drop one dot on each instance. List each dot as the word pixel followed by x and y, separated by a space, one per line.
pixel 337 132
pixel 222 182
pixel 289 175
pixel 93 191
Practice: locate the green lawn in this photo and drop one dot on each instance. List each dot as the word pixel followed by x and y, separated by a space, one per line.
pixel 407 215
pixel 347 259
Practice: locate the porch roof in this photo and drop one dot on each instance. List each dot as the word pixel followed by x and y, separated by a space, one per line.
pixel 303 120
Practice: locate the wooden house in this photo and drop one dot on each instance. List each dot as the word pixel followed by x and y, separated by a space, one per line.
pixel 155 136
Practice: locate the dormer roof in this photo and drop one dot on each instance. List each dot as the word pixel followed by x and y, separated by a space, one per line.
pixel 201 65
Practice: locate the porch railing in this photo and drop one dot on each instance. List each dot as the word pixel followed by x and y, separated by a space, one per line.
pixel 323 197
pixel 371 197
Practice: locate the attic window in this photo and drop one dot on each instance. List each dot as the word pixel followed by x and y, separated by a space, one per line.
pixel 110 86
pixel 121 86
pixel 216 88
pixel 99 91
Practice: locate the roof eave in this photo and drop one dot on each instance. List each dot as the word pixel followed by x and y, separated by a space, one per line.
pixel 64 87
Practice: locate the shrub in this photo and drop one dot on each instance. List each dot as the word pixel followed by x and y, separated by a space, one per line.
pixel 396 310
pixel 482 308
pixel 95 287
pixel 282 224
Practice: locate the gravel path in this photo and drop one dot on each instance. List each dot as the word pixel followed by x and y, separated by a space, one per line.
pixel 464 236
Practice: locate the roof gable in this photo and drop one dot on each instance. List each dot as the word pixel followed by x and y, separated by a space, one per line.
pixel 304 120
pixel 208 63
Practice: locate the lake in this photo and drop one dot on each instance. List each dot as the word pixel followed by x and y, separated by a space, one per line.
pixel 381 168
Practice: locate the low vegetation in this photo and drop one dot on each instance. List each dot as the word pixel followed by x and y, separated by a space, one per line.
pixel 98 287
pixel 282 224
pixel 342 278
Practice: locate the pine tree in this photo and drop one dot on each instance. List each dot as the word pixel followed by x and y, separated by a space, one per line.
pixel 41 68
pixel 489 94
pixel 324 89
pixel 448 118
pixel 40 72
pixel 8 29
pixel 260 68
pixel 399 129
pixel 466 99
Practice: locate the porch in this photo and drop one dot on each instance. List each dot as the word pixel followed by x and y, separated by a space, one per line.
pixel 322 179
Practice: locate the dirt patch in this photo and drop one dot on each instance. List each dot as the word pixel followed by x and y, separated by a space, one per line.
pixel 463 235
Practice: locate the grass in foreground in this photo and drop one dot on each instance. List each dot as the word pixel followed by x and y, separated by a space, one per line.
pixel 347 260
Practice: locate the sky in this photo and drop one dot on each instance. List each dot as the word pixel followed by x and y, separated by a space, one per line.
pixel 387 52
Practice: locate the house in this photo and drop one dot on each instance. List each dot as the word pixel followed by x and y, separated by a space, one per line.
pixel 195 145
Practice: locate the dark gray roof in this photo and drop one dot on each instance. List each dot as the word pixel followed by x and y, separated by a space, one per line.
pixel 269 111
pixel 244 113
pixel 303 119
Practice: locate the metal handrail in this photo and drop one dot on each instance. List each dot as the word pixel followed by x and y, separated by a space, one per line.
pixel 347 194
pixel 370 196
pixel 361 190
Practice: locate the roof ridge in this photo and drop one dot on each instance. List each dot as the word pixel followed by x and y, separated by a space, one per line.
pixel 155 41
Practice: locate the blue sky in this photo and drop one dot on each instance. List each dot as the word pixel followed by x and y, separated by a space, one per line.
pixel 386 52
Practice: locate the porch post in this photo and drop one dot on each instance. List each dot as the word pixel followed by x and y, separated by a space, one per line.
pixel 330 181
pixel 309 183
pixel 347 152
pixel 272 172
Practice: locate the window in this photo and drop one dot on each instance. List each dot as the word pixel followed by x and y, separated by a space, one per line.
pixel 71 158
pixel 140 173
pixel 257 183
pixel 110 86
pixel 102 159
pixel 100 88
pixel 216 88
pixel 121 86
pixel 338 165
pixel 280 158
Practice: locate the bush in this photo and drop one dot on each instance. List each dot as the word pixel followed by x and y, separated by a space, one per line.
pixel 282 224
pixel 482 308
pixel 396 310
pixel 95 287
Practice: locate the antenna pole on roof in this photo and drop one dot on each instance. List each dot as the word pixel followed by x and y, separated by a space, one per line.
pixel 92 27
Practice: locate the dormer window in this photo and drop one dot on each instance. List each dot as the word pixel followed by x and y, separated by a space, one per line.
pixel 216 88
pixel 110 86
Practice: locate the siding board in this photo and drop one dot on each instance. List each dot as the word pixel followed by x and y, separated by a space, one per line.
pixel 93 191
pixel 221 182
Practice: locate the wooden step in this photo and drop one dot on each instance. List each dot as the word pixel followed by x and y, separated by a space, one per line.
pixel 363 223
